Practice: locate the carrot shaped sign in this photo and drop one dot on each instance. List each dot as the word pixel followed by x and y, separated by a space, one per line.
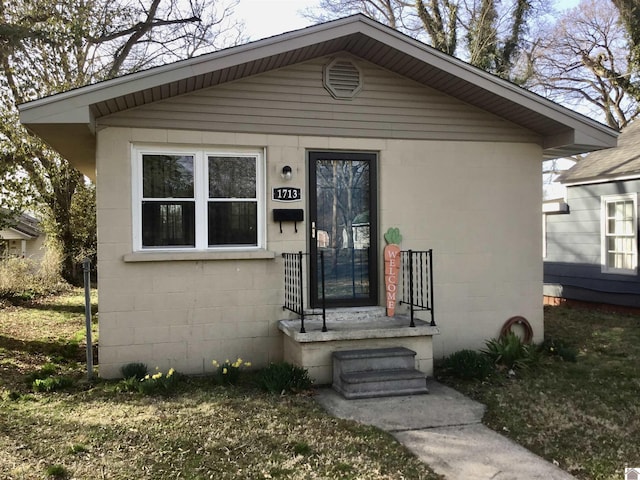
pixel 391 268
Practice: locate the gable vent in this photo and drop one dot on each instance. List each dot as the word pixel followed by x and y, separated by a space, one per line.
pixel 342 78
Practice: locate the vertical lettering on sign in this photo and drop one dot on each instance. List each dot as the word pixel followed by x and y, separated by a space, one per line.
pixel 391 268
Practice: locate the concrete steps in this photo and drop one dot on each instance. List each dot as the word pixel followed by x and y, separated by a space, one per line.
pixel 377 372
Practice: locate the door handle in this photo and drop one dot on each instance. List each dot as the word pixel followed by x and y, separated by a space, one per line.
pixel 313 229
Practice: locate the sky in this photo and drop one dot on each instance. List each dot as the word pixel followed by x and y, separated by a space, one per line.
pixel 264 18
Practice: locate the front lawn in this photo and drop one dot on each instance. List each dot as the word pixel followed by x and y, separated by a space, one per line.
pixel 202 431
pixel 585 416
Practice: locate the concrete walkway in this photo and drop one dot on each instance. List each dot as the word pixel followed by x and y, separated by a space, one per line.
pixel 445 431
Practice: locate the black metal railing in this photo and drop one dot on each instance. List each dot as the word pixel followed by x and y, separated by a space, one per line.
pixel 294 287
pixel 417 282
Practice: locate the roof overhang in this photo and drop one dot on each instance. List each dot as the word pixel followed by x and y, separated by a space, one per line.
pixel 67 120
pixel 601 179
pixel 15 234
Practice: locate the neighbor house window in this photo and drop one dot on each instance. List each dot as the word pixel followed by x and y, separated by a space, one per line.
pixel 198 199
pixel 620 234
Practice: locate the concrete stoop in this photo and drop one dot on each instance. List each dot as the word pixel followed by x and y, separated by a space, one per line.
pixel 377 372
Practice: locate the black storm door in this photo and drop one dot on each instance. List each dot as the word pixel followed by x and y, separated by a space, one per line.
pixel 342 222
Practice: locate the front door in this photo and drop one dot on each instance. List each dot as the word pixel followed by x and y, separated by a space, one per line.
pixel 342 222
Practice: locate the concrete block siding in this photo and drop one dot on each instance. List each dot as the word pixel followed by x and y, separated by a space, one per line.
pixel 474 203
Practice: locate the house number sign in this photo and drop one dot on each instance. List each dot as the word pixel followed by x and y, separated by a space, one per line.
pixel 286 194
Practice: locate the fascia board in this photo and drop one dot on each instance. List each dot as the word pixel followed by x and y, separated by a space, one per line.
pixel 57 112
pixel 15 235
pixel 592 181
pixel 582 137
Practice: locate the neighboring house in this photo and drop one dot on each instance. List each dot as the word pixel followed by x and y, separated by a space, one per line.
pixel 349 117
pixel 22 238
pixel 592 249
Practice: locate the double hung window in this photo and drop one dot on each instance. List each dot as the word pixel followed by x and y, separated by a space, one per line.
pixel 620 234
pixel 198 200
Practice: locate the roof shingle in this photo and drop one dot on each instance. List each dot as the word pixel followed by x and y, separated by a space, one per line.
pixel 620 161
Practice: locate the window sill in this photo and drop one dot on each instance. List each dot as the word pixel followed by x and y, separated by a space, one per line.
pixel 196 256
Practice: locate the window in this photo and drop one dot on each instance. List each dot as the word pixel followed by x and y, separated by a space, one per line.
pixel 620 234
pixel 198 200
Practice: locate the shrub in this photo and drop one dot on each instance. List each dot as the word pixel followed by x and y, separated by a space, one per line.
pixel 22 279
pixel 468 364
pixel 136 370
pixel 559 348
pixel 229 373
pixel 511 352
pixel 130 384
pixel 158 383
pixel 284 377
pixel 51 384
pixel 43 372
pixel 57 472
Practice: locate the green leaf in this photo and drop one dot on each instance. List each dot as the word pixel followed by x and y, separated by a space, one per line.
pixel 393 237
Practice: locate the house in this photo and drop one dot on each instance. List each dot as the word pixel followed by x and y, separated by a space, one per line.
pixel 592 235
pixel 209 169
pixel 22 238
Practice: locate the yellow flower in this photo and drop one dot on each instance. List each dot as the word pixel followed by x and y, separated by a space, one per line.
pixel 239 360
pixel 170 372
pixel 147 377
pixel 226 361
pixel 248 364
pixel 157 376
pixel 224 371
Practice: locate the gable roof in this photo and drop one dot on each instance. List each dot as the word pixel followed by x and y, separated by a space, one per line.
pixel 25 225
pixel 67 120
pixel 608 165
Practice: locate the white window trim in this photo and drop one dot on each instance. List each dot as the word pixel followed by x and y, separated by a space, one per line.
pixel 200 154
pixel 604 200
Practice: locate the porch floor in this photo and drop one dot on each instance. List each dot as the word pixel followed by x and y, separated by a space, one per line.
pixel 351 329
pixel 356 328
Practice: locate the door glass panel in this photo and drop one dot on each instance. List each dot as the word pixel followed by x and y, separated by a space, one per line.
pixel 343 228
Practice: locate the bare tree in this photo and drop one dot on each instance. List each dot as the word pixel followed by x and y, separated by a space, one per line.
pixel 584 61
pixel 389 12
pixel 433 21
pixel 440 20
pixel 629 11
pixel 48 47
pixel 487 33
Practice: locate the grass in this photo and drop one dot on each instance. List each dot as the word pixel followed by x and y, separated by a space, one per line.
pixel 203 431
pixel 584 415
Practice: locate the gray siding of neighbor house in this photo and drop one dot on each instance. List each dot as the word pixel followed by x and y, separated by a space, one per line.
pixel 293 101
pixel 572 266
